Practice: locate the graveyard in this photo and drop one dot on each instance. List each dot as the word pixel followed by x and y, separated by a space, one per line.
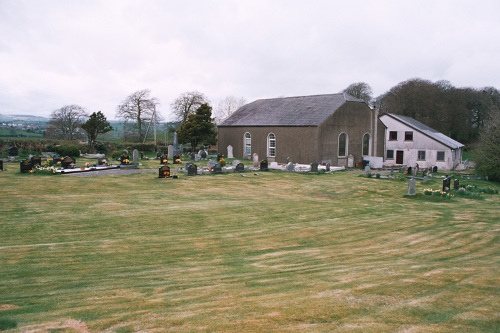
pixel 250 250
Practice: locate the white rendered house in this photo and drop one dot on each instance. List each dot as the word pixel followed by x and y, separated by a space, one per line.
pixel 409 142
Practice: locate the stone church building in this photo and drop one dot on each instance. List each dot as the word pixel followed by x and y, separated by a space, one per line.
pixel 333 128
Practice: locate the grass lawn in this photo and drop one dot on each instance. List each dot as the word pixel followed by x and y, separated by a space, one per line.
pixel 273 252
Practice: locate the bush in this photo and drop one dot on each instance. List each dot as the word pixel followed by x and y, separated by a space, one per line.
pixel 68 150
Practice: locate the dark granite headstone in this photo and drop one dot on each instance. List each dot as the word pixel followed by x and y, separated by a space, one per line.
pixel 435 169
pixel 456 184
pixel 164 172
pixel 36 160
pixel 125 159
pixel 217 169
pixel 13 151
pixel 409 171
pixel 446 184
pixel 177 159
pixel 163 159
pixel 68 162
pixel 327 167
pixel 26 166
pixel 240 167
pixel 192 170
pixel 264 166
pixel 101 161
pixel 314 167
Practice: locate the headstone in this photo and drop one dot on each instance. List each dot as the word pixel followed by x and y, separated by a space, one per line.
pixel 13 151
pixel 314 167
pixel 170 152
pixel 68 162
pixel 425 172
pixel 163 159
pixel 26 166
pixel 456 184
pixel 186 166
pixel 217 169
pixel 446 184
pixel 176 151
pixel 135 156
pixel 264 165
pixel 181 149
pixel 255 158
pixel 197 157
pixel 240 167
pixel 290 167
pixel 1 165
pixel 192 170
pixel 412 187
pixel 177 159
pixel 164 171
pixel 350 161
pixel 36 160
pixel 211 163
pixel 236 162
pixel 368 171
pixel 327 167
pixel 409 171
pixel 125 159
pixel 203 154
pixel 102 161
pixel 426 179
pixel 415 172
pixel 230 151
pixel 435 169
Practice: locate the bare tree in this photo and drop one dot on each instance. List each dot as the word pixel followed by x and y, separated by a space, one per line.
pixel 65 122
pixel 360 90
pixel 138 108
pixel 227 106
pixel 187 103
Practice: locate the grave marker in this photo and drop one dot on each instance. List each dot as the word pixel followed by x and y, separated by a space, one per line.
pixel 230 151
pixel 255 160
pixel 412 187
pixel 314 167
pixel 164 171
pixel 446 184
pixel 264 166
pixel 68 162
pixel 26 166
pixel 192 170
pixel 217 169
pixel 240 167
pixel 135 156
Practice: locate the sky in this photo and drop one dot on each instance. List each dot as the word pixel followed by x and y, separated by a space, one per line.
pixel 95 53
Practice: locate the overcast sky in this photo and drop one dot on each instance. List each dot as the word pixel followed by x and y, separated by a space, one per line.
pixel 95 53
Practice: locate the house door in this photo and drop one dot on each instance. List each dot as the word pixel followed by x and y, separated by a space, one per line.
pixel 399 156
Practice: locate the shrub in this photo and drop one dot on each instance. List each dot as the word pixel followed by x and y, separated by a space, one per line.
pixel 68 150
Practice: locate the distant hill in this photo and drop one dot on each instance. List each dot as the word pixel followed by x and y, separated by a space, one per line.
pixel 22 118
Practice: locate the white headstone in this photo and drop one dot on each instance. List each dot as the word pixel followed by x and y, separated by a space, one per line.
pixel 412 187
pixel 170 153
pixel 255 160
pixel 290 166
pixel 350 161
pixel 230 151
pixel 135 156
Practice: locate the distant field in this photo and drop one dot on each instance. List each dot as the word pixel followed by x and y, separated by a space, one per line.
pixel 272 252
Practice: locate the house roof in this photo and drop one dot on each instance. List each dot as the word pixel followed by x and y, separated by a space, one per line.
pixel 426 130
pixel 289 111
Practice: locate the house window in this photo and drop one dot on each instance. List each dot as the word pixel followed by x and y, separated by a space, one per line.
pixel 409 136
pixel 440 155
pixel 421 155
pixel 248 144
pixel 343 144
pixel 271 145
pixel 389 154
pixel 366 144
pixel 393 135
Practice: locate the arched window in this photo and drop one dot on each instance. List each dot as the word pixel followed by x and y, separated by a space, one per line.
pixel 366 144
pixel 271 145
pixel 247 144
pixel 343 144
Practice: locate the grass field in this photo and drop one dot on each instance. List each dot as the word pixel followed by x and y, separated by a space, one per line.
pixel 273 252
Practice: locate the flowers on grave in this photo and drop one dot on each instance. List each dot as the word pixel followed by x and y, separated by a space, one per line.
pixel 438 193
pixel 178 161
pixel 87 164
pixel 125 161
pixel 44 169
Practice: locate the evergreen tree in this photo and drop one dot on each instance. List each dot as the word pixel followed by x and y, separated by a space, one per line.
pixel 95 125
pixel 198 128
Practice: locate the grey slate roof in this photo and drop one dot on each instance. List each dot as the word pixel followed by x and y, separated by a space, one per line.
pixel 430 132
pixel 289 111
